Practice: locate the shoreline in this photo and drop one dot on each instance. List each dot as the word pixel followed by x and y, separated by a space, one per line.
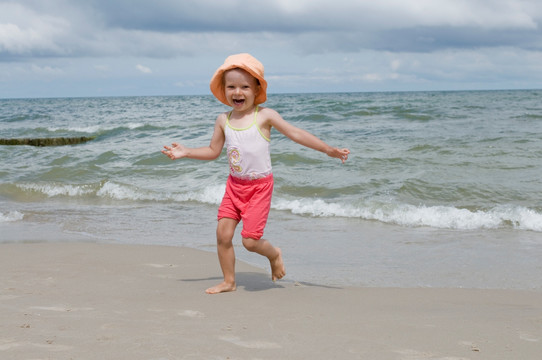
pixel 329 251
pixel 88 300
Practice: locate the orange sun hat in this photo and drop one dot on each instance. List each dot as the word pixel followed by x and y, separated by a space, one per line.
pixel 241 61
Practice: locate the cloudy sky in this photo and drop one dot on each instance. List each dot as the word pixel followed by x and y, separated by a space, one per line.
pixel 58 48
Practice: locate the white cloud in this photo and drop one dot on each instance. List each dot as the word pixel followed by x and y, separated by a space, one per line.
pixel 395 64
pixel 102 68
pixel 143 69
pixel 23 31
pixel 492 14
pixel 45 70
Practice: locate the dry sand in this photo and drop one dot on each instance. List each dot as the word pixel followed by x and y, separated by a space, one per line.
pixel 95 301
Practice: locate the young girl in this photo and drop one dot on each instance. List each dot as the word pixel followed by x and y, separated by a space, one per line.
pixel 246 131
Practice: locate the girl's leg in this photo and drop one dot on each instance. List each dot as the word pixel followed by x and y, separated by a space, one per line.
pixel 274 254
pixel 226 255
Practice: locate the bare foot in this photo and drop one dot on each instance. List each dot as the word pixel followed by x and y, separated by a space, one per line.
pixel 220 288
pixel 277 267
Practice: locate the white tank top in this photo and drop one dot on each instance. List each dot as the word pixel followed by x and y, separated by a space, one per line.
pixel 248 151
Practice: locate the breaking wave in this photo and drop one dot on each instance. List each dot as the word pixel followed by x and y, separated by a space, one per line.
pixel 10 216
pixel 443 217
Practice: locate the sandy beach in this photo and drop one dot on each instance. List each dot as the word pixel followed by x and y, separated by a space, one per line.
pixel 101 301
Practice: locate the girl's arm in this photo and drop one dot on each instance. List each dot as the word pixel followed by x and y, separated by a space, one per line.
pixel 303 137
pixel 211 152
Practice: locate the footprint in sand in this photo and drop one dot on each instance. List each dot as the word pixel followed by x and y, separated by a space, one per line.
pixel 8 344
pixel 409 354
pixel 60 308
pixel 256 344
pixel 161 266
pixel 528 337
pixel 191 314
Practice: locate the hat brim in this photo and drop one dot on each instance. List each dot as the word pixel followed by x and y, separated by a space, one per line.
pixel 240 61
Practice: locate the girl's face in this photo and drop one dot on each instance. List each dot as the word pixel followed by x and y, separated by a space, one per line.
pixel 241 89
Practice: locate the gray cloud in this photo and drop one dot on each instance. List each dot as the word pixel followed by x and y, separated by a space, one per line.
pixel 307 45
pixel 306 15
pixel 177 28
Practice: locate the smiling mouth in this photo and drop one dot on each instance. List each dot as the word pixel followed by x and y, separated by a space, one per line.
pixel 238 101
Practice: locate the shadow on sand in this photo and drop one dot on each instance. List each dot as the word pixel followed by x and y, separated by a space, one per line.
pixel 253 281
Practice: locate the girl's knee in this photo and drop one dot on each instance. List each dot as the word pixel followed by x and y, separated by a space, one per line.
pixel 225 231
pixel 250 244
pixel 224 237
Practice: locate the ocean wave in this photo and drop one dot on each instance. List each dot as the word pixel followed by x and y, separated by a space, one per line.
pixel 117 191
pixel 210 195
pixel 11 216
pixel 93 129
pixel 442 217
pixel 98 129
pixel 51 190
pixel 386 211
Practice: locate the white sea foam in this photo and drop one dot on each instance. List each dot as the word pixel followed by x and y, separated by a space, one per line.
pixel 443 217
pixel 81 129
pixel 92 129
pixel 58 189
pixel 522 218
pixel 11 216
pixel 124 192
pixel 117 191
pixel 209 195
pixel 316 207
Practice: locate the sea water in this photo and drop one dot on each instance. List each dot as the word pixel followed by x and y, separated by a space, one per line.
pixel 441 188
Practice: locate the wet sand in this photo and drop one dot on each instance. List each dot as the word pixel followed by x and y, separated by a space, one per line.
pixel 100 301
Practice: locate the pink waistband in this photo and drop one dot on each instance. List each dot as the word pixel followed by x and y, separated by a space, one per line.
pixel 263 180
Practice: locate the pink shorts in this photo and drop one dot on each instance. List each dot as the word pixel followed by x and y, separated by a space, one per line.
pixel 249 201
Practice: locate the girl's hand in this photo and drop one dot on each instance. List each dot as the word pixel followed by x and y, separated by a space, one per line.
pixel 176 151
pixel 341 154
